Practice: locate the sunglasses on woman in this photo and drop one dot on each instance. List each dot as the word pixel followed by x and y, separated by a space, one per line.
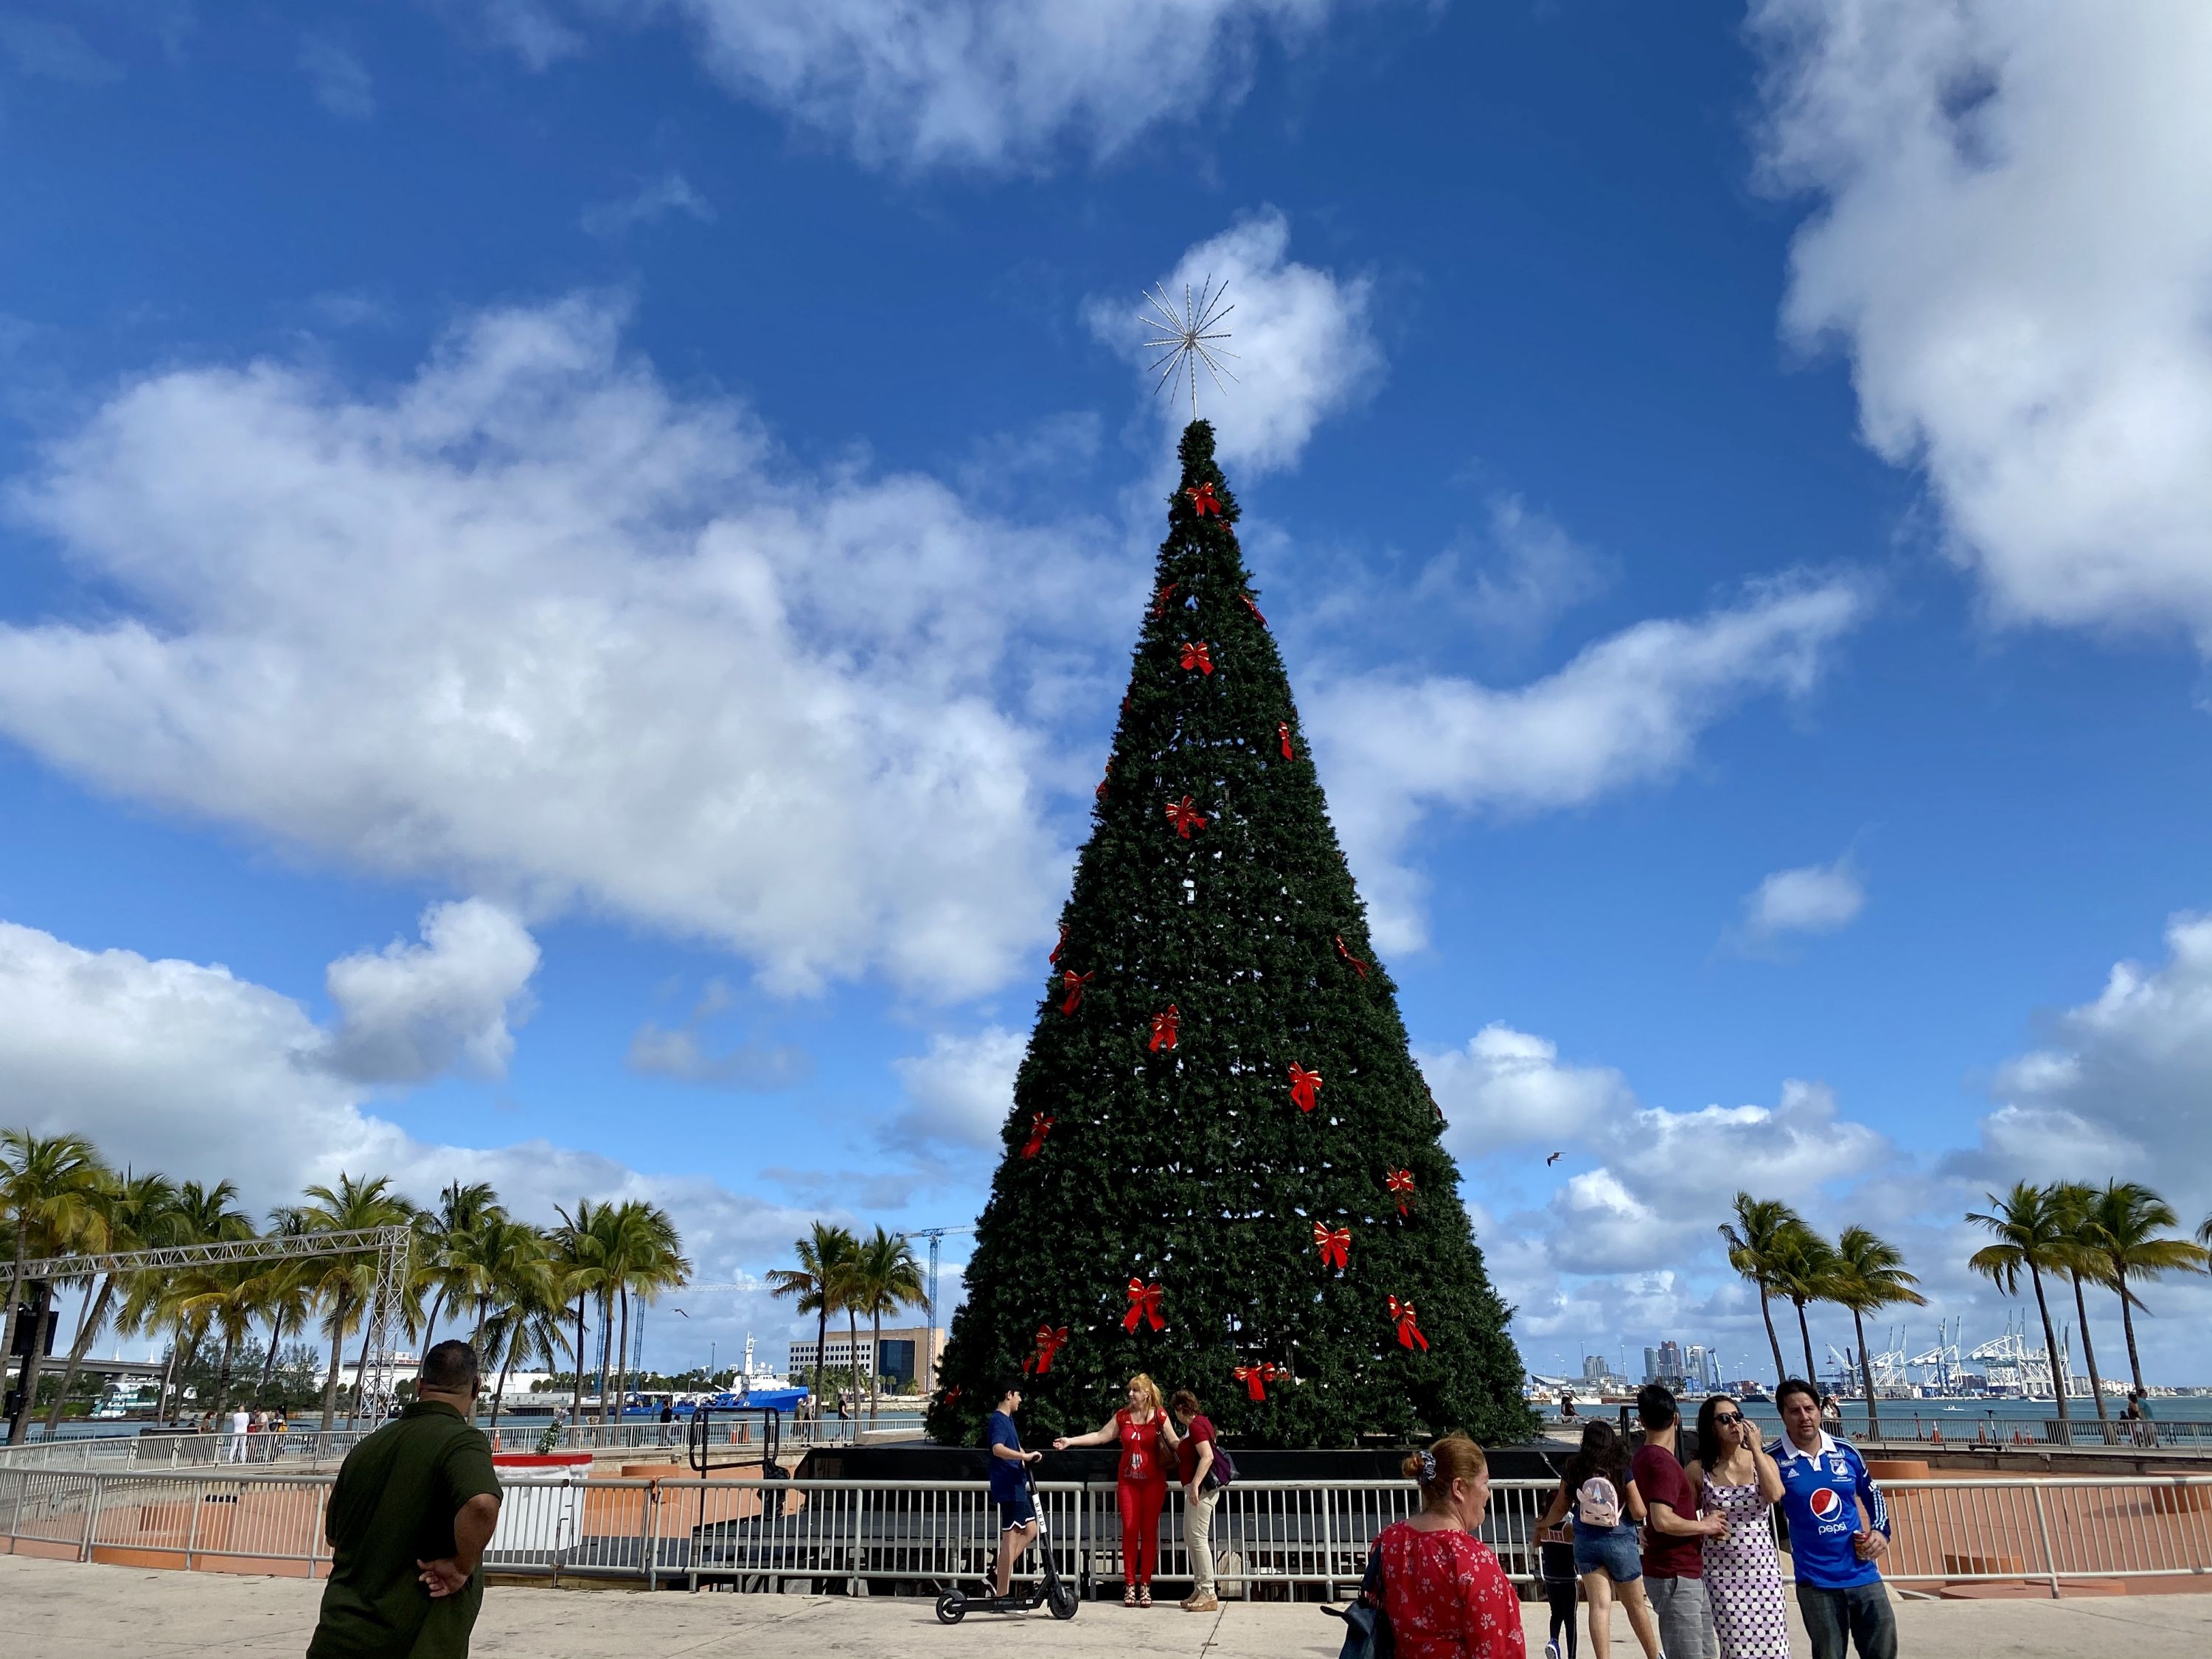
pixel 1728 1419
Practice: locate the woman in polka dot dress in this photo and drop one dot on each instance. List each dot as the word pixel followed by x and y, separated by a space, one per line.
pixel 1738 1481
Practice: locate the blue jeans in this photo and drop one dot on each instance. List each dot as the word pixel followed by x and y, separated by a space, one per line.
pixel 1862 1611
pixel 1612 1551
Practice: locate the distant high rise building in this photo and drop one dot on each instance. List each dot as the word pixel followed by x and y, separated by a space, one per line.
pixel 1595 1369
pixel 1651 1365
pixel 1670 1362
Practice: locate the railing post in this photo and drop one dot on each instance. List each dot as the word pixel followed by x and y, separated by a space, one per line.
pixel 193 1521
pixel 2043 1525
pixel 91 1518
pixel 651 1539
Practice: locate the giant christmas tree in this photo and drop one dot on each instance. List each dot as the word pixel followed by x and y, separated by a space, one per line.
pixel 1222 1167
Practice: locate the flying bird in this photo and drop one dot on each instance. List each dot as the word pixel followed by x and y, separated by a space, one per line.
pixel 680 1313
pixel 1548 1163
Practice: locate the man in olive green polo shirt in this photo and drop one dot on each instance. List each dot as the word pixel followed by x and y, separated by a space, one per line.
pixel 410 1515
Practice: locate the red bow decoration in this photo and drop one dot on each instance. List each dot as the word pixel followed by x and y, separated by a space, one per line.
pixel 1258 615
pixel 1203 501
pixel 1040 1126
pixel 1185 817
pixel 1255 1378
pixel 1348 957
pixel 951 1394
pixel 1164 1028
pixel 1144 1304
pixel 1075 983
pixel 1099 793
pixel 1196 653
pixel 1401 1182
pixel 1409 1332
pixel 1054 959
pixel 1304 1085
pixel 1283 735
pixel 1160 599
pixel 1049 1342
pixel 1335 1244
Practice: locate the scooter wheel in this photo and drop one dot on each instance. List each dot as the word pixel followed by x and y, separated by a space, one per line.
pixel 1061 1599
pixel 951 1607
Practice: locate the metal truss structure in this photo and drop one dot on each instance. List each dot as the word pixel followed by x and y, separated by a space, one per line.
pixel 372 1393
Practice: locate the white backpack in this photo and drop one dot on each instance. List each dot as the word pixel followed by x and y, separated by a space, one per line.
pixel 1597 1504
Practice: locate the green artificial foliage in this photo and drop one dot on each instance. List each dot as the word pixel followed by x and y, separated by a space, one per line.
pixel 1191 1166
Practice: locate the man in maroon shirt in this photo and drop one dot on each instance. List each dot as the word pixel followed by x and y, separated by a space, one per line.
pixel 1674 1535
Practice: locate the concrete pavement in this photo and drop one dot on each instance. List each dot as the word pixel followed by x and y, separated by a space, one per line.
pixel 62 1610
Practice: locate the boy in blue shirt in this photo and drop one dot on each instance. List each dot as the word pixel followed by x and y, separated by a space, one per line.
pixel 1010 1490
pixel 1825 1486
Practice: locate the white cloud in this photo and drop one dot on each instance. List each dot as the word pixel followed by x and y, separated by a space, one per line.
pixel 2014 242
pixel 1540 574
pixel 1302 341
pixel 759 1068
pixel 959 1092
pixel 411 1012
pixel 972 84
pixel 1815 899
pixel 655 198
pixel 1508 1088
pixel 532 625
pixel 186 1068
pixel 340 79
pixel 54 52
pixel 2120 1090
pixel 1626 710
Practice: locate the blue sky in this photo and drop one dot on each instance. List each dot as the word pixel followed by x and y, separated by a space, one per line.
pixel 565 569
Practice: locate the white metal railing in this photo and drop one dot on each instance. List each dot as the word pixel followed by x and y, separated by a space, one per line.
pixel 165 1451
pixel 914 1536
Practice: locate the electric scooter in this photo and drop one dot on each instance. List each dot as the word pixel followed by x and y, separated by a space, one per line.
pixel 1050 1591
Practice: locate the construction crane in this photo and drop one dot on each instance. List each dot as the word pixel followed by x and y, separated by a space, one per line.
pixel 935 1236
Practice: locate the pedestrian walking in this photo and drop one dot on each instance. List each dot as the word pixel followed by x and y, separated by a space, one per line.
pixel 1196 1465
pixel 410 1515
pixel 1141 1481
pixel 1825 1488
pixel 1599 1491
pixel 1739 1485
pixel 1441 1586
pixel 1674 1533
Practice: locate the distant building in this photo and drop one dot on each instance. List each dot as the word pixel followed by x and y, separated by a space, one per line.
pixel 907 1353
pixel 1595 1369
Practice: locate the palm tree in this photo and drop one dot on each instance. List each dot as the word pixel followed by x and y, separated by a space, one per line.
pixel 580 1264
pixel 1802 1265
pixel 288 1293
pixel 2030 1234
pixel 50 1190
pixel 140 1213
pixel 1755 1241
pixel 2080 1255
pixel 344 1282
pixel 525 1306
pixel 644 1256
pixel 228 1294
pixel 885 1276
pixel 481 1259
pixel 200 1214
pixel 2127 1224
pixel 460 1210
pixel 823 1258
pixel 1869 1274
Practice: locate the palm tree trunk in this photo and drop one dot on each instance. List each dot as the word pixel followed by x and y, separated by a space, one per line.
pixel 2089 1353
pixel 361 1369
pixel 337 1356
pixel 580 1299
pixel 223 1374
pixel 821 1337
pixel 268 1359
pixel 622 1355
pixel 875 1365
pixel 498 1392
pixel 168 1374
pixel 1766 1313
pixel 1866 1374
pixel 606 1334
pixel 2050 1345
pixel 431 1324
pixel 1805 1335
pixel 2128 1323
pixel 87 1327
pixel 853 1347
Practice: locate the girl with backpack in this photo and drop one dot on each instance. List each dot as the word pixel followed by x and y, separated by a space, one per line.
pixel 1597 1490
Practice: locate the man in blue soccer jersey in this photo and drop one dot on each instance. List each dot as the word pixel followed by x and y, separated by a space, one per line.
pixel 1825 1486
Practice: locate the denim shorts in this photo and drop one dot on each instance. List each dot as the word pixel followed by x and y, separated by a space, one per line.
pixel 1612 1551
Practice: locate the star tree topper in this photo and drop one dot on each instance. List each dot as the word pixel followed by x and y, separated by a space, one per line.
pixel 1186 338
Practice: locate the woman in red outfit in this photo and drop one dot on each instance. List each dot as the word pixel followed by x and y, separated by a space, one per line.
pixel 1446 1596
pixel 1147 1438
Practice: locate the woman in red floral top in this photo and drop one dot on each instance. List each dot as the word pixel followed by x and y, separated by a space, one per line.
pixel 1446 1596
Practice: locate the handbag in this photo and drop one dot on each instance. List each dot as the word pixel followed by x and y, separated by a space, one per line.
pixel 1367 1633
pixel 1220 1472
